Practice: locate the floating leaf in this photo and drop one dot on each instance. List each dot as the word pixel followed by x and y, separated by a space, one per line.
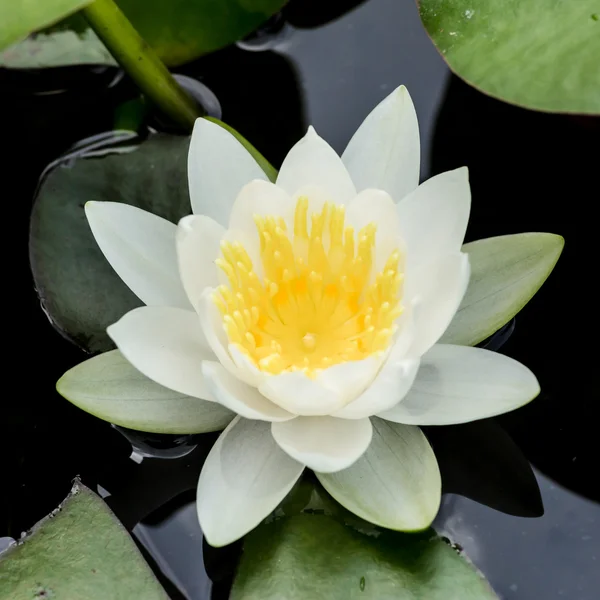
pixel 79 551
pixel 179 31
pixel 506 272
pixel 21 17
pixel 534 53
pixel 315 556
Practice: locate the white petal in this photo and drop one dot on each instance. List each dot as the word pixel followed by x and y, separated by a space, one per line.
pixel 298 394
pixel 396 483
pixel 435 292
pixel 433 218
pixel 167 345
pixel 259 198
pixel 245 476
pixel 245 400
pixel 457 384
pixel 141 248
pixel 377 206
pixel 312 161
pixel 385 152
pixel 324 444
pixel 389 387
pixel 218 167
pixel 198 246
pixel 110 387
pixel 350 379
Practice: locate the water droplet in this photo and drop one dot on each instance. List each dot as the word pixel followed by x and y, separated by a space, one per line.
pixel 362 583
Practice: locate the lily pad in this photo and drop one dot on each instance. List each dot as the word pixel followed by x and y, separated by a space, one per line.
pixel 79 551
pixel 534 53
pixel 20 18
pixel 316 556
pixel 179 31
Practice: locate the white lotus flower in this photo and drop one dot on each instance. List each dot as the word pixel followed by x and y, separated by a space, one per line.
pixel 310 308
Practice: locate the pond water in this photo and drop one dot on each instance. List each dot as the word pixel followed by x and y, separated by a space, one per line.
pixel 529 172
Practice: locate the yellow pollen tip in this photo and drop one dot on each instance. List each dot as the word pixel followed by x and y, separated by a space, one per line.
pixel 319 303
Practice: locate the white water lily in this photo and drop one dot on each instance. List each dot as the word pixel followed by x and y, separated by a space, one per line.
pixel 309 309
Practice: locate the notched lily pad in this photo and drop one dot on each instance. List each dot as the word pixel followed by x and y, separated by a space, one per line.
pixel 316 556
pixel 79 551
pixel 78 289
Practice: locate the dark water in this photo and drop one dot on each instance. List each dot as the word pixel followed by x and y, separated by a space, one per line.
pixel 529 172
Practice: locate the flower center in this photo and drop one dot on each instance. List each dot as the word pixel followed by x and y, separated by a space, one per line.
pixel 318 304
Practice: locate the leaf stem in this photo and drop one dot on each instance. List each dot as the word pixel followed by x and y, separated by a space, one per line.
pixel 141 62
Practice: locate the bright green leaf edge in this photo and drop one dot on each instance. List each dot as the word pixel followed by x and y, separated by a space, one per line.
pixel 110 388
pixel 534 53
pixel 506 272
pixel 18 18
pixel 80 551
pixel 315 556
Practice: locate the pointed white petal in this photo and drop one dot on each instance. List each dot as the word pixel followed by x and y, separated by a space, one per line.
pixel 313 162
pixel 245 400
pixel 435 292
pixel 396 483
pixel 109 387
pixel 260 198
pixel 218 167
pixel 457 384
pixel 433 218
pixel 385 151
pixel 300 395
pixel 167 345
pixel 350 379
pixel 244 478
pixel 141 248
pixel 377 206
pixel 324 444
pixel 198 246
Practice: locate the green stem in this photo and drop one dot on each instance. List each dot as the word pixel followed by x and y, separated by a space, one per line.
pixel 141 62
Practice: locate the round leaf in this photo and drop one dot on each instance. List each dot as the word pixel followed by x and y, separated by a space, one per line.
pixel 79 290
pixel 315 556
pixel 535 53
pixel 506 272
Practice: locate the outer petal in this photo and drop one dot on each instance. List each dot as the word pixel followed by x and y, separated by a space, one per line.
pixel 313 162
pixel 218 167
pixel 395 484
pixel 385 152
pixel 240 397
pixel 457 384
pixel 300 395
pixel 109 387
pixel 140 247
pixel 435 292
pixel 167 345
pixel 433 218
pixel 324 444
pixel 198 246
pixel 245 476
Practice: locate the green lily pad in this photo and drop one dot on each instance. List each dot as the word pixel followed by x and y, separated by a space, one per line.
pixel 534 53
pixel 506 272
pixel 77 287
pixel 179 31
pixel 79 551
pixel 315 556
pixel 21 17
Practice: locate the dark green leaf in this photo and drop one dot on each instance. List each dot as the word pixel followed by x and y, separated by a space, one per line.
pixel 80 551
pixel 539 54
pixel 315 556
pixel 18 18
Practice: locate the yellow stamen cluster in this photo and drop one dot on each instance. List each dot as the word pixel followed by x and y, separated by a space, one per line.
pixel 317 304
